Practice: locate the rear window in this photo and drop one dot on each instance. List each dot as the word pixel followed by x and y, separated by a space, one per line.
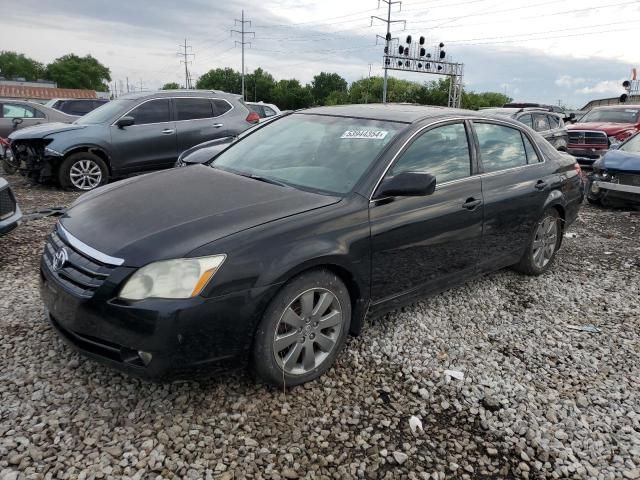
pixel 193 108
pixel 221 106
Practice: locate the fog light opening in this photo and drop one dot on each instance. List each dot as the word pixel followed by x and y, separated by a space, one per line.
pixel 595 189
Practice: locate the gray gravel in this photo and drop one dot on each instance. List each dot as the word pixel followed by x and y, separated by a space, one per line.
pixel 538 399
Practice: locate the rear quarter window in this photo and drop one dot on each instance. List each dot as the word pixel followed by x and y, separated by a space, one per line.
pixel 221 106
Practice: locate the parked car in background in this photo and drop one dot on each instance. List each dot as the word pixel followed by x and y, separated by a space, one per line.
pixel 600 128
pixel 277 250
pixel 265 110
pixel 134 133
pixel 616 175
pixel 10 213
pixel 207 151
pixel 548 124
pixel 76 106
pixel 6 157
pixel 18 114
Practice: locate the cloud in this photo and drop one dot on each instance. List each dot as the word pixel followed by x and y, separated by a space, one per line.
pixel 568 81
pixel 611 87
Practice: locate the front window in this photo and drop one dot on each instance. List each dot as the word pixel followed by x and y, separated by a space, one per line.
pixel 632 145
pixel 106 113
pixel 315 152
pixel 153 111
pixel 612 115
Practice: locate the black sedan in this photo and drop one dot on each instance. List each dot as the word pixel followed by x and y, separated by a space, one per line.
pixel 274 252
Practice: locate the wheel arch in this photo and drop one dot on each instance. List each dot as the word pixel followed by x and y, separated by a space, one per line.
pixel 557 201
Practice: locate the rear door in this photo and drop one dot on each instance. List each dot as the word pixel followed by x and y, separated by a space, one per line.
pixel 25 114
pixel 515 185
pixel 200 119
pixel 150 142
pixel 425 243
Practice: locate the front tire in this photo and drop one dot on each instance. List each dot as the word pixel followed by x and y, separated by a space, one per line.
pixel 303 329
pixel 83 171
pixel 543 245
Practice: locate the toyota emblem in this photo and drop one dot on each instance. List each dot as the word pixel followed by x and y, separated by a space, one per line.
pixel 59 259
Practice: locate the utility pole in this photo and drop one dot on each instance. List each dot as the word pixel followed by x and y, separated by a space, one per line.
pixel 242 42
pixel 366 95
pixel 141 88
pixel 387 37
pixel 185 55
pixel 127 84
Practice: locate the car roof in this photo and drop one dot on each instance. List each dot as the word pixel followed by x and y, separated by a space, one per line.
pixel 182 93
pixel 615 107
pixel 393 112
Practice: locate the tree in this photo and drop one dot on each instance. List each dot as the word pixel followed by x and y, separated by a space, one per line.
pixel 16 65
pixel 170 86
pixel 225 79
pixel 324 83
pixel 291 95
pixel 259 85
pixel 72 71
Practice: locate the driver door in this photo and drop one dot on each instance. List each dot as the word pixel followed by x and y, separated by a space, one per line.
pixel 428 243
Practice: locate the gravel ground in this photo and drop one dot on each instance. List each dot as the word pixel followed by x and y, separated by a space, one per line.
pixel 538 399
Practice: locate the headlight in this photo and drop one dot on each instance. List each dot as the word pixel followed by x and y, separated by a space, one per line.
pixel 180 278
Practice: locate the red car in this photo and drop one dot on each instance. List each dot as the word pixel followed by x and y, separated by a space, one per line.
pixel 600 128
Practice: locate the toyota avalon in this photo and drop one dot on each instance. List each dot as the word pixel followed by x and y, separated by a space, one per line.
pixel 277 249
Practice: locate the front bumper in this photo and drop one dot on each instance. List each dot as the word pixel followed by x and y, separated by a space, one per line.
pixel 185 338
pixel 9 224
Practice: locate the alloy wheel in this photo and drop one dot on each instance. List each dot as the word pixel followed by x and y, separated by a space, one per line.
pixel 308 331
pixel 85 174
pixel 545 241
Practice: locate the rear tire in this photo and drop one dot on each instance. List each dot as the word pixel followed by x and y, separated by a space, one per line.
pixel 302 330
pixel 83 171
pixel 543 245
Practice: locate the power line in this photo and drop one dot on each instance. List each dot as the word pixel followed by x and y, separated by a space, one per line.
pixel 186 61
pixel 242 42
pixel 387 38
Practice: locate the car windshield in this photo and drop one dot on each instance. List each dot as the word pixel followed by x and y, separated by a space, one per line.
pixel 106 112
pixel 612 115
pixel 632 145
pixel 315 152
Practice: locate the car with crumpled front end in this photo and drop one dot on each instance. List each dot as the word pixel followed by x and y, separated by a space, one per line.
pixel 599 129
pixel 616 175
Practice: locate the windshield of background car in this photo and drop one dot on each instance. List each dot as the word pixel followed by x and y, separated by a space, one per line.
pixel 106 113
pixel 618 115
pixel 316 152
pixel 632 145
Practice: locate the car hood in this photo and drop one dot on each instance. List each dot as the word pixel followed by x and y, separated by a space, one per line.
pixel 169 214
pixel 43 130
pixel 610 129
pixel 621 160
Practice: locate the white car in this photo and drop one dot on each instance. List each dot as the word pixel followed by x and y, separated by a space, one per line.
pixel 265 110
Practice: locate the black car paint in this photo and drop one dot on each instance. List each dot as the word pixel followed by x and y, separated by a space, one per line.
pixel 374 244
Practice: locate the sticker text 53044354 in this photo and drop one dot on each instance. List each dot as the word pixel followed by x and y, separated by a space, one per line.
pixel 367 134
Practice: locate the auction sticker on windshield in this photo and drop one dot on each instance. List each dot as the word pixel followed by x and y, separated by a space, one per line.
pixel 368 134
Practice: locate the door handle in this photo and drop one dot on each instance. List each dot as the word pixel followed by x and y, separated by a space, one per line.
pixel 471 203
pixel 168 131
pixel 217 125
pixel 541 185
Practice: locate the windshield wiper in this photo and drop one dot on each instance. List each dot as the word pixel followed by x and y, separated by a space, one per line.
pixel 264 179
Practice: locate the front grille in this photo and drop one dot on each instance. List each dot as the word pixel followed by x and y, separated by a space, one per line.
pixel 577 137
pixel 7 203
pixel 80 274
pixel 628 179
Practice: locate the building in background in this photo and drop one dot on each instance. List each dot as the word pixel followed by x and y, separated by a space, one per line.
pixel 42 91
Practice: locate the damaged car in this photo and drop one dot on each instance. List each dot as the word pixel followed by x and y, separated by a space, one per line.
pixel 10 214
pixel 616 175
pixel 135 133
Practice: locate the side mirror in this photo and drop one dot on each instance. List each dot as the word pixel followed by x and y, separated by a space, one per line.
pixel 125 122
pixel 614 146
pixel 16 122
pixel 407 184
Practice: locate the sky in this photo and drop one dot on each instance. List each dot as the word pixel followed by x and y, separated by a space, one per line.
pixel 551 51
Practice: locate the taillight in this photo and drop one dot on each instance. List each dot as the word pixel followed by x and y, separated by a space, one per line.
pixel 253 117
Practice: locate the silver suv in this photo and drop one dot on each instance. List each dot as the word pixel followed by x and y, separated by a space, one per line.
pixel 134 133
